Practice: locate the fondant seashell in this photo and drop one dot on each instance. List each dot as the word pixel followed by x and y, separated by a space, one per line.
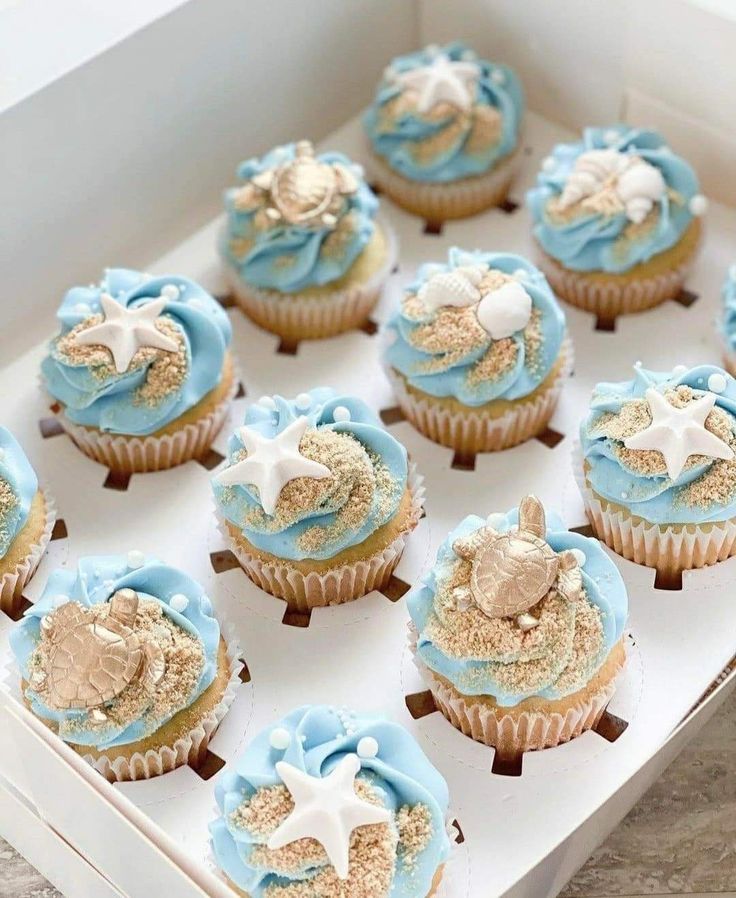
pixel 589 174
pixel 639 187
pixel 505 311
pixel 458 287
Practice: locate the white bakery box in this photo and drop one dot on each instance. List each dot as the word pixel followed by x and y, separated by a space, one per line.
pixel 119 131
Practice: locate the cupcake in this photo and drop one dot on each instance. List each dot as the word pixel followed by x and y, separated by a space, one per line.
pixel 657 468
pixel 27 516
pixel 727 324
pixel 331 804
pixel 479 351
pixel 123 659
pixel 616 220
pixel 302 249
pixel 317 499
pixel 444 128
pixel 141 373
pixel 518 629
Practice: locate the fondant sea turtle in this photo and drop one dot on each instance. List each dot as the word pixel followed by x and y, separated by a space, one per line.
pixel 93 659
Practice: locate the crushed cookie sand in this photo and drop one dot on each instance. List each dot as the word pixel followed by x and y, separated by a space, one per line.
pixel 336 242
pixel 414 823
pixel 451 336
pixel 8 504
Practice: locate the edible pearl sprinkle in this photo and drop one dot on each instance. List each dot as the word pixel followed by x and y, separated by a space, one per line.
pixel 521 274
pixel 179 602
pixel 136 559
pixel 497 76
pixel 548 164
pixel 367 747
pixel 717 383
pixel 170 291
pixel 610 136
pixel 303 401
pixel 698 204
pixel 81 308
pixel 280 739
pixel 679 370
pixel 341 413
pixel 268 403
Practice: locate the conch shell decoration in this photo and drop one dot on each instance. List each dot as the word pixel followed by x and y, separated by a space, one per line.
pixel 458 287
pixel 512 572
pixel 633 184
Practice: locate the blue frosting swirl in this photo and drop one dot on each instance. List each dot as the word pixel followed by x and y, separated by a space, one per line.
pixel 603 585
pixel 400 772
pixel 727 321
pixel 287 257
pixel 237 503
pixel 517 381
pixel 593 241
pixel 110 403
pixel 653 497
pixel 398 140
pixel 96 579
pixel 21 480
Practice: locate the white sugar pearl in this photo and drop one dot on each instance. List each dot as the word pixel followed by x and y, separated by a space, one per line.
pixel 611 136
pixel 469 55
pixel 367 747
pixel 389 73
pixel 432 49
pixel 496 520
pixel 358 170
pixel 268 403
pixel 521 274
pixel 341 413
pixel 698 204
pixel 303 401
pixel 679 370
pixel 135 559
pixel 179 602
pixel 549 164
pixel 580 556
pixel 280 739
pixel 82 308
pixel 498 76
pixel 170 291
pixel 717 383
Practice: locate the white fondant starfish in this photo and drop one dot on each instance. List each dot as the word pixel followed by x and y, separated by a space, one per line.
pixel 326 809
pixel 125 330
pixel 272 463
pixel 442 80
pixel 679 433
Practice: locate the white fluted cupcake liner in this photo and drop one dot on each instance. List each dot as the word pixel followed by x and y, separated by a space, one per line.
pixel 472 430
pixel 190 749
pixel 137 455
pixel 670 548
pixel 439 202
pixel 295 317
pixel 341 584
pixel 12 583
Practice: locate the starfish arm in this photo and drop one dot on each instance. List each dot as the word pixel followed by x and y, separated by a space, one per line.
pixel 154 338
pixel 361 813
pixel 150 311
pixel 112 309
pixel 269 486
pixel 120 342
pixel 299 783
pixel 295 827
pixel 235 475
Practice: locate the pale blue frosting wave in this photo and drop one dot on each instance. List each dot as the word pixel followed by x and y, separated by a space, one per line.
pixel 591 242
pixel 604 588
pixel 289 257
pixel 94 581
pixel 653 497
pixel 109 403
pixel 400 772
pixel 727 321
pixel 517 382
pixel 498 87
pixel 16 471
pixel 236 503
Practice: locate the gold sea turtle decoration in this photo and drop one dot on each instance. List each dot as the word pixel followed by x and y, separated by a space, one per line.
pixel 513 571
pixel 92 659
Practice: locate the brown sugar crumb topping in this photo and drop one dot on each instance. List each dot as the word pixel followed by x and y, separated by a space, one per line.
pixel 8 503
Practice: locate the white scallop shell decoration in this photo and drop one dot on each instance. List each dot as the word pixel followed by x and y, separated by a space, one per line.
pixel 458 287
pixel 505 311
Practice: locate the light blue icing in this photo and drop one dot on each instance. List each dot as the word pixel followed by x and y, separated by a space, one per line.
pixel 16 471
pixel 652 497
pixel 591 242
pixel 515 383
pixel 95 580
pixel 319 739
pixel 236 503
pixel 727 321
pixel 109 403
pixel 498 87
pixel 289 257
pixel 603 585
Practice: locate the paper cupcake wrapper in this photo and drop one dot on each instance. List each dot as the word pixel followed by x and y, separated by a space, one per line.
pixel 190 749
pixel 670 549
pixel 14 582
pixel 472 431
pixel 342 584
pixel 131 455
pixel 440 202
pixel 294 317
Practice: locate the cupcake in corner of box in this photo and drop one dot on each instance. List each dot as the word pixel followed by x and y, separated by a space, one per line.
pixel 123 659
pixel 331 803
pixel 445 130
pixel 141 371
pixel 727 321
pixel 657 469
pixel 27 517
pixel 616 220
pixel 302 249
pixel 317 498
pixel 479 352
pixel 518 629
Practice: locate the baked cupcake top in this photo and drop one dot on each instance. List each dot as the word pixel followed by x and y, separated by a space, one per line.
pixel 517 606
pixel 135 352
pixel 300 220
pixel 18 486
pixel 483 326
pixel 613 200
pixel 114 649
pixel 442 114
pixel 332 804
pixel 311 476
pixel 727 321
pixel 662 444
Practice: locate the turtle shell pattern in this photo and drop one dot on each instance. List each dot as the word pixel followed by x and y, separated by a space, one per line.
pixel 304 189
